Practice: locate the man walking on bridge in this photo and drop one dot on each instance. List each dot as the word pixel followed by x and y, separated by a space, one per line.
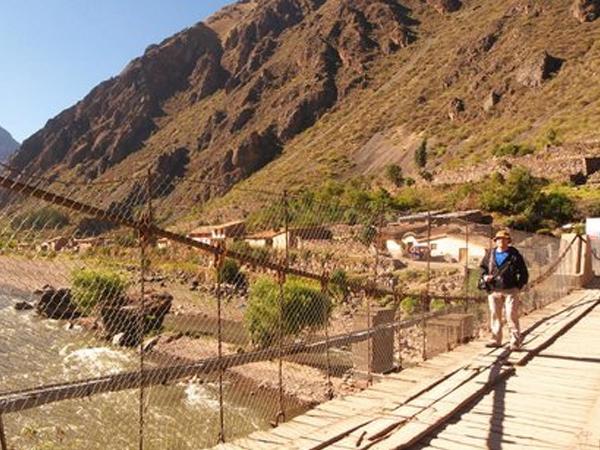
pixel 504 274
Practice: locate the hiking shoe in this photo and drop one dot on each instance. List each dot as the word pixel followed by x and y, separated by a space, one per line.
pixel 516 346
pixel 493 344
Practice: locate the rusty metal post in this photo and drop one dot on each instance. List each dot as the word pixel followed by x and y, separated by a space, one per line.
pixel 3 444
pixel 329 385
pixel 398 303
pixel 426 298
pixel 144 238
pixel 369 342
pixel 219 261
pixel 281 275
pixel 281 281
pixel 467 277
pixel 376 242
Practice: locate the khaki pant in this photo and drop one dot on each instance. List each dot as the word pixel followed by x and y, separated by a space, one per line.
pixel 509 299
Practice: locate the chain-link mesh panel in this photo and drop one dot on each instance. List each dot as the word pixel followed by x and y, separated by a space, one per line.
pixel 179 330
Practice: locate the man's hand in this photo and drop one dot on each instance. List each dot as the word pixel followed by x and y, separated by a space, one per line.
pixel 488 278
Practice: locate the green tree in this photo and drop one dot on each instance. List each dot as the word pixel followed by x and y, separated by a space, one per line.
pixel 521 197
pixel 340 283
pixel 303 306
pixel 90 288
pixel 421 154
pixel 393 173
pixel 230 273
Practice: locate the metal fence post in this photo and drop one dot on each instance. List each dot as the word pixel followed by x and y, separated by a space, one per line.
pixel 369 342
pixel 281 280
pixel 329 385
pixel 144 238
pixel 426 299
pixel 467 275
pixel 219 261
pixel 3 444
pixel 398 303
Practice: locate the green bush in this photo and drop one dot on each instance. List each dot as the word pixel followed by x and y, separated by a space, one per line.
pixel 393 173
pixel 421 154
pixel 409 305
pixel 511 149
pixel 426 175
pixel 520 196
pixel 90 288
pixel 41 219
pixel 552 138
pixel 230 273
pixel 437 305
pixel 340 283
pixel 304 306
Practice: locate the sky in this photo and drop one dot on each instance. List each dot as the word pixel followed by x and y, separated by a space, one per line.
pixel 53 52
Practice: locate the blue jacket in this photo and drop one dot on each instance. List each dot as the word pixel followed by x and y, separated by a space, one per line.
pixel 511 274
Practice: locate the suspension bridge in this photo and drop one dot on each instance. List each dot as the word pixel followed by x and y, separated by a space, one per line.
pixel 407 407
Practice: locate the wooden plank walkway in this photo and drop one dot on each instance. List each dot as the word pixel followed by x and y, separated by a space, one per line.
pixel 552 403
pixel 403 409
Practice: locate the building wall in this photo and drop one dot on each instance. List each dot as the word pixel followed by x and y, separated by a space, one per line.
pixel 452 246
pixel 394 248
pixel 257 243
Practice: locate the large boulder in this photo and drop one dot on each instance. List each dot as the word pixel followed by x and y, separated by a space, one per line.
pixel 539 69
pixel 586 10
pixel 56 303
pixel 127 315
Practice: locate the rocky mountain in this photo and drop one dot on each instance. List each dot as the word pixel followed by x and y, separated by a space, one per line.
pixel 287 92
pixel 7 144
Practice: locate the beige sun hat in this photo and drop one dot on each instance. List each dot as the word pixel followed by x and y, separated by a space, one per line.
pixel 503 234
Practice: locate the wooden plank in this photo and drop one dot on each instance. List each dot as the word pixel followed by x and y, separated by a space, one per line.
pixel 424 422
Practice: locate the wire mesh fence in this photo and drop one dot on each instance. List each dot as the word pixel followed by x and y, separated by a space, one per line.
pixel 159 329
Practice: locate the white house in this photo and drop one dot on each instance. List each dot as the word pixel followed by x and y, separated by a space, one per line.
pixel 448 246
pixel 262 239
pixel 209 233
pixel 296 236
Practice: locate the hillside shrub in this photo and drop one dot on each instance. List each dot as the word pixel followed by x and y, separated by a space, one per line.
pixel 409 305
pixel 520 196
pixel 393 173
pixel 510 149
pixel 421 154
pixel 230 273
pixel 41 219
pixel 90 288
pixel 304 307
pixel 339 282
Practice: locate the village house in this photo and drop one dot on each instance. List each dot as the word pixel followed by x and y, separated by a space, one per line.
pixel 296 237
pixel 450 247
pixel 53 245
pixel 163 243
pixel 208 234
pixel 443 245
pixel 85 244
pixel 261 239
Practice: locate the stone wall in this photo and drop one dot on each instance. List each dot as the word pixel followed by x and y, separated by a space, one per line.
pixel 572 163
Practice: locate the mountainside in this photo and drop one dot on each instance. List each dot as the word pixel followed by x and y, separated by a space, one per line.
pixel 288 92
pixel 7 144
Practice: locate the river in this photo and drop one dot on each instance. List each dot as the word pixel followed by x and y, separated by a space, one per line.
pixel 185 415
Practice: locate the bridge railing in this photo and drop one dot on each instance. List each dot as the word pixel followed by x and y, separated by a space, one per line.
pixel 184 327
